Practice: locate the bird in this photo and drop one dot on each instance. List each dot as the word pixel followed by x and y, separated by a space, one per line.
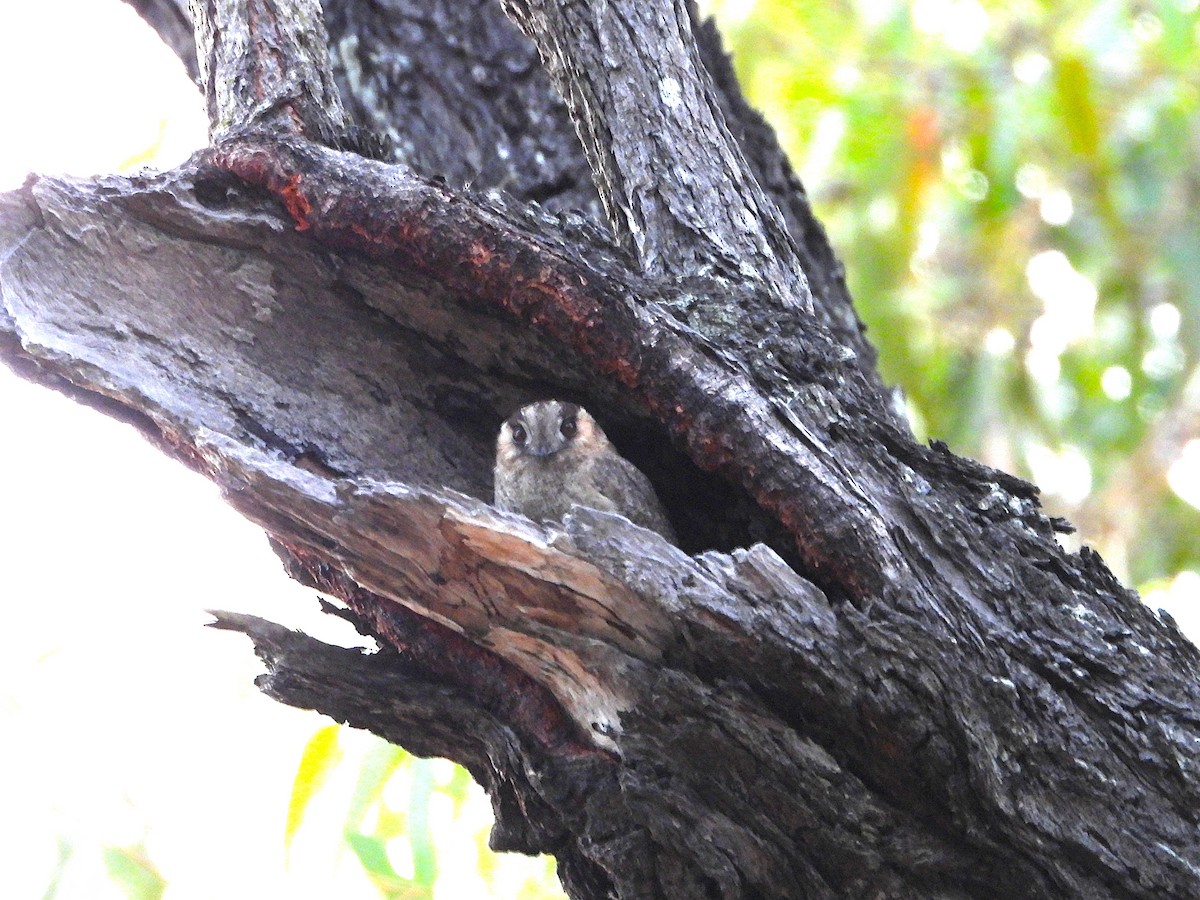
pixel 552 455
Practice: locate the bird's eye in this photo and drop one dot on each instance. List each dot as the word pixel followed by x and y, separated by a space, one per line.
pixel 520 435
pixel 568 427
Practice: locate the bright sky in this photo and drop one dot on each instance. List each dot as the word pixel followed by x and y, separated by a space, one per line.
pixel 122 718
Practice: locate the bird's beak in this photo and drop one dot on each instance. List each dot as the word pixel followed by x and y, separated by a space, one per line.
pixel 539 450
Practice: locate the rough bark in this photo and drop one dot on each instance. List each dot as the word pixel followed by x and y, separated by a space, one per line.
pixel 870 669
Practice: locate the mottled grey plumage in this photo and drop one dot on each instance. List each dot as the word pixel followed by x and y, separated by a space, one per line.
pixel 552 455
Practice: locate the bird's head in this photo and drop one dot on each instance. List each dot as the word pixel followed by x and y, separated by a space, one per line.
pixel 541 430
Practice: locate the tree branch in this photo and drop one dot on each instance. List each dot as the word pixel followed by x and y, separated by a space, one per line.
pixel 345 684
pixel 646 106
pixel 381 693
pixel 773 171
pixel 265 63
pixel 458 91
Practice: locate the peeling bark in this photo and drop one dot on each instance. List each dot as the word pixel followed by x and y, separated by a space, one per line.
pixel 868 670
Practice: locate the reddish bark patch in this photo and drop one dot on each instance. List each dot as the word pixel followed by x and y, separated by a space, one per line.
pixel 298 205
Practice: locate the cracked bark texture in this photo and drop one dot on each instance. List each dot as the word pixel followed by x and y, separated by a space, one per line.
pixel 869 670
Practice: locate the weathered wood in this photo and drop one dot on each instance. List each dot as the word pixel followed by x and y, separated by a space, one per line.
pixel 917 692
pixel 459 94
pixel 266 63
pixel 647 107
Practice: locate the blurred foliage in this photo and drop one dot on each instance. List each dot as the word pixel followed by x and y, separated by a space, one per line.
pixel 65 852
pixel 418 827
pixel 131 869
pixel 1014 188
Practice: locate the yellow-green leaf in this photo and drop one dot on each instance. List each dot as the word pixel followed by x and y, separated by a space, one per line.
pixel 134 873
pixel 321 754
pixel 1073 81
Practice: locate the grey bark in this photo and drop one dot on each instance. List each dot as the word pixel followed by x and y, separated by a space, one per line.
pixel 869 670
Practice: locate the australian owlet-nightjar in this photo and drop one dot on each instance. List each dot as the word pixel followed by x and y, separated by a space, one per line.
pixel 552 455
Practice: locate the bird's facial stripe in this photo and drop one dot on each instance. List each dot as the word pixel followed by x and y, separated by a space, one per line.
pixel 544 438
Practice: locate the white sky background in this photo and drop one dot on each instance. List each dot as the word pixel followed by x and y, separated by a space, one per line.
pixel 121 718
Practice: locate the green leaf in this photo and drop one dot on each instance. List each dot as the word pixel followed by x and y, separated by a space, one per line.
pixel 321 754
pixel 134 873
pixel 377 769
pixel 1073 82
pixel 372 854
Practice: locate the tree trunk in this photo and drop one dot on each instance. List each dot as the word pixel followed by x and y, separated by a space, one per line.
pixel 869 670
